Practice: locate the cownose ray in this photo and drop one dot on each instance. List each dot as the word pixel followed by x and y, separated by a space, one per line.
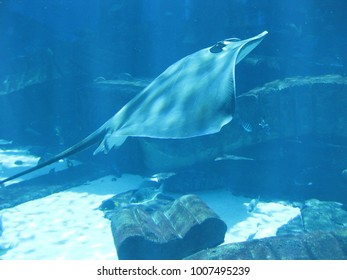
pixel 193 97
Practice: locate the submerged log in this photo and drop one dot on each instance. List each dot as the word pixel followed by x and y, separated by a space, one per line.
pixel 188 226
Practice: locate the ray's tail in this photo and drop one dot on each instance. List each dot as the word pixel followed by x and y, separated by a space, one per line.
pixel 95 137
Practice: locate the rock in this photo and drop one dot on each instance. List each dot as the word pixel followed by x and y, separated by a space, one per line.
pixel 107 204
pixel 187 226
pixel 305 246
pixel 29 71
pixel 317 216
pixel 323 215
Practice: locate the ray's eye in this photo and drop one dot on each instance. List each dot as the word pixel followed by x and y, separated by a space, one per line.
pixel 218 47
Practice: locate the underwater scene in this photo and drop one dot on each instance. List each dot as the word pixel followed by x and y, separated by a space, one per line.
pixel 186 129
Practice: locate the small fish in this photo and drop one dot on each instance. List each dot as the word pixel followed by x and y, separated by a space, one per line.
pixel 99 79
pixel 143 196
pixel 252 235
pixel 161 176
pixel 303 184
pixel 5 142
pixel 247 126
pixel 252 205
pixel 232 157
pixel 57 130
pixel 263 124
pixel 32 131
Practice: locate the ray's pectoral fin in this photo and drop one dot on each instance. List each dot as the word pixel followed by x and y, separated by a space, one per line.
pixel 109 142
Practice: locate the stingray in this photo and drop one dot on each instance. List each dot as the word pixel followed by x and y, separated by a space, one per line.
pixel 193 97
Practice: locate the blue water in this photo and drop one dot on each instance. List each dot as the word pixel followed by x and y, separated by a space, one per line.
pixel 53 52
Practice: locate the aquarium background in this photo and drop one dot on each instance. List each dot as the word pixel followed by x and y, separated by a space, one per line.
pixel 68 66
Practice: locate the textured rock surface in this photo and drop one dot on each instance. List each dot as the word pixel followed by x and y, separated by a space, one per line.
pixel 187 226
pixel 309 246
pixel 317 216
pixel 29 71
